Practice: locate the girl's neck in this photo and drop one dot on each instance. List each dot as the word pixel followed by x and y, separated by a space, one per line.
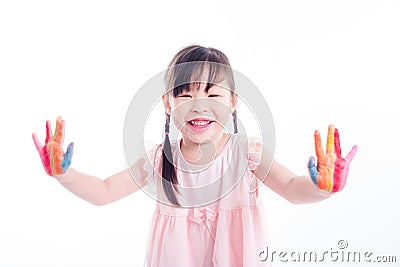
pixel 203 153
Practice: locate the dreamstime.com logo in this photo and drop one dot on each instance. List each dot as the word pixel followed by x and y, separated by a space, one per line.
pixel 341 254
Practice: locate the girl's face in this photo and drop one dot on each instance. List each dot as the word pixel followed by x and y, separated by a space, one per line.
pixel 201 115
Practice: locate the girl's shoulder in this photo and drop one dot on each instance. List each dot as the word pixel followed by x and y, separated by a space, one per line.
pixel 252 144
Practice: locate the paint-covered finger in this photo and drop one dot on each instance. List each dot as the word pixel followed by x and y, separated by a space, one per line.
pixel 57 130
pixel 330 140
pixel 59 135
pixel 351 154
pixel 48 132
pixel 331 157
pixel 338 150
pixel 67 157
pixel 312 169
pixel 321 157
pixel 318 145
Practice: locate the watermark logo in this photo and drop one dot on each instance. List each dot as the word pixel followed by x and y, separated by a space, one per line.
pixel 340 254
pixel 342 244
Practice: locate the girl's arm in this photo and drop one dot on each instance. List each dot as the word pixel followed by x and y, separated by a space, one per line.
pixel 294 188
pixel 101 192
pixel 97 191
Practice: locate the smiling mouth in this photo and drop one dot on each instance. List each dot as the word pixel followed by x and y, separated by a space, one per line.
pixel 199 123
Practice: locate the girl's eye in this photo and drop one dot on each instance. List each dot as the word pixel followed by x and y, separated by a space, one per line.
pixel 213 95
pixel 184 96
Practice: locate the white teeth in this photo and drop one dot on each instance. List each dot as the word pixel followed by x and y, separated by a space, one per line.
pixel 199 123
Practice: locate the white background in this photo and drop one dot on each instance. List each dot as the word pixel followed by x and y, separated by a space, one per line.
pixel 316 62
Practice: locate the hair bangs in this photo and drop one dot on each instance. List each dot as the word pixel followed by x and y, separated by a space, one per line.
pixel 192 75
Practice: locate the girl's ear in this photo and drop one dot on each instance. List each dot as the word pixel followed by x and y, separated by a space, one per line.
pixel 167 103
pixel 234 98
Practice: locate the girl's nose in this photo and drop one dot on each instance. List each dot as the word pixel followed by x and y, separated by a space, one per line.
pixel 199 105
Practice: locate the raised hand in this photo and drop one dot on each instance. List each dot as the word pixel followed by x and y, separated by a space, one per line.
pixel 332 169
pixel 54 160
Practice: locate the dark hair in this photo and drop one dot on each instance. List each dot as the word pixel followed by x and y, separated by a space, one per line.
pixel 184 71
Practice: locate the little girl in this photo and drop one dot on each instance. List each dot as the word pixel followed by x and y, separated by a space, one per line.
pixel 207 213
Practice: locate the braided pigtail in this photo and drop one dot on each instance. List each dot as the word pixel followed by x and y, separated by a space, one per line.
pixel 235 126
pixel 169 179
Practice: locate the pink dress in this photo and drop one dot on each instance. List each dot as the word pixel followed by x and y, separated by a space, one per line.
pixel 228 230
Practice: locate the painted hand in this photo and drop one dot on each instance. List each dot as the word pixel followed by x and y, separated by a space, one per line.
pixel 331 171
pixel 54 160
